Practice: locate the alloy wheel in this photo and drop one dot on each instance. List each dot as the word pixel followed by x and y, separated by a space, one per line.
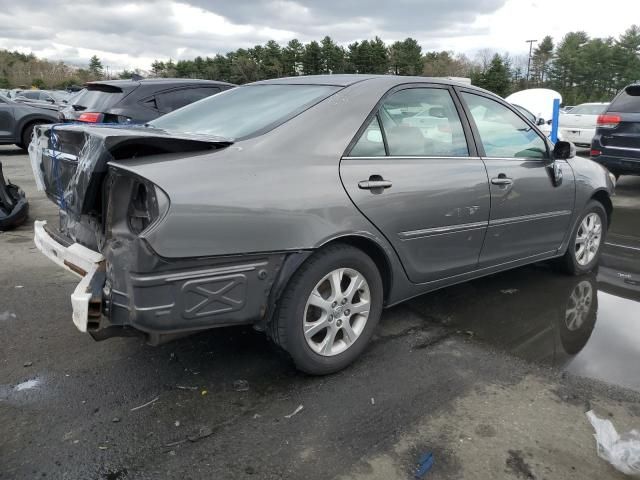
pixel 588 238
pixel 336 311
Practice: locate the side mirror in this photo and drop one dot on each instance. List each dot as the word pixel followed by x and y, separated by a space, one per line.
pixel 563 150
pixel 540 121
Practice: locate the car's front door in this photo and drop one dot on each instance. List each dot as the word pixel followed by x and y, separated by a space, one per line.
pixel 413 174
pixel 530 211
pixel 6 121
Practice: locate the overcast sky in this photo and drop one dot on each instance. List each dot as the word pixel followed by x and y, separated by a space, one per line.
pixel 130 34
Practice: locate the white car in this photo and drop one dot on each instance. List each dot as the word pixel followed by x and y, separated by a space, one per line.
pixel 579 124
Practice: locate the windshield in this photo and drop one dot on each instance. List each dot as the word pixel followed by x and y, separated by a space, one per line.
pixel 244 111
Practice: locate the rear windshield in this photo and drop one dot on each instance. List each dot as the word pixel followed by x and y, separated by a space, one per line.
pixel 244 111
pixel 98 100
pixel 627 101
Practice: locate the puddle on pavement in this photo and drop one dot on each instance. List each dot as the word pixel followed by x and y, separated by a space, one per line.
pixel 587 325
pixel 26 391
pixel 7 315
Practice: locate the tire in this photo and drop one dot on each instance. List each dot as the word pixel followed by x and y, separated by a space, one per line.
pixel 575 260
pixel 26 136
pixel 336 336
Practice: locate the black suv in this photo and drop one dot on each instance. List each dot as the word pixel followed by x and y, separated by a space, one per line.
pixel 616 144
pixel 136 101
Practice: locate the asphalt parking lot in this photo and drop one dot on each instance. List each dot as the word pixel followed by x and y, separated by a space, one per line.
pixel 492 377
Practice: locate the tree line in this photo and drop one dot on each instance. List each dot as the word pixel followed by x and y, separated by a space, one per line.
pixel 580 68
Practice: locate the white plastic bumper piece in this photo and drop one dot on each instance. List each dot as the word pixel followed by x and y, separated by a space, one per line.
pixel 76 258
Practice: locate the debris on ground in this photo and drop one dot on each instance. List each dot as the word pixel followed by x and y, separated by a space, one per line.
pixel 203 392
pixel 621 451
pixel 203 432
pixel 177 423
pixel 27 364
pixel 509 291
pixel 295 412
pixel 14 208
pixel 424 465
pixel 151 402
pixel 115 419
pixel 373 401
pixel 182 387
pixel 241 385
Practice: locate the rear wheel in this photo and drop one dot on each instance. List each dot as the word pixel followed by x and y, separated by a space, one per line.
pixel 329 310
pixel 587 240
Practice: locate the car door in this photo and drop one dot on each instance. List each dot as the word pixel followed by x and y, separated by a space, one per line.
pixel 413 174
pixel 530 212
pixel 6 121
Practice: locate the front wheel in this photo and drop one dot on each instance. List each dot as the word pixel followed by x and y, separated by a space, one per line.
pixel 587 240
pixel 329 310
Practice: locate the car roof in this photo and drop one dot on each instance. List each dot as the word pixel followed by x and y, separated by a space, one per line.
pixel 345 80
pixel 168 82
pixel 592 103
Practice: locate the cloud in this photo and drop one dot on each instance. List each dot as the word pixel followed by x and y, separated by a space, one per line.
pixel 127 33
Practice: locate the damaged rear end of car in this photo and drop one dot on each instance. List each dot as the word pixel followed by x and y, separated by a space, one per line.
pixel 106 213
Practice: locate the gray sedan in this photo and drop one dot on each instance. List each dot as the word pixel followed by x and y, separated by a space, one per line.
pixel 305 205
pixel 17 121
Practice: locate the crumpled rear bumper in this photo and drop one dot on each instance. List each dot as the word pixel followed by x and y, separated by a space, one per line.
pixel 86 299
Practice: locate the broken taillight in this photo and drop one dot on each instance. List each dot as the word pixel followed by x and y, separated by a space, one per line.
pixel 90 117
pixel 148 204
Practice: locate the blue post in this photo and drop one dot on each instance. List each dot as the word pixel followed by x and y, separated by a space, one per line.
pixel 555 120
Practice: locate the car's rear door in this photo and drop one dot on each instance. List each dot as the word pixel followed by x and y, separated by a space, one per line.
pixel 621 135
pixel 530 213
pixel 7 121
pixel 413 173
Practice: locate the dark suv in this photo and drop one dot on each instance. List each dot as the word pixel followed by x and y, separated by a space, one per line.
pixel 616 144
pixel 136 101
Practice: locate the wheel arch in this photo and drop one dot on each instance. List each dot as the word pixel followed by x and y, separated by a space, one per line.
pixel 602 196
pixel 375 251
pixel 26 122
pixel 295 260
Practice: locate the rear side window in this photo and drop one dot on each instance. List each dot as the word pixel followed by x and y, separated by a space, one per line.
pixel 175 99
pixel 627 101
pixel 417 122
pixel 99 99
pixel 34 95
pixel 371 143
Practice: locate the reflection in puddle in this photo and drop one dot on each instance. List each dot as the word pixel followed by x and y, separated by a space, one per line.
pixel 586 325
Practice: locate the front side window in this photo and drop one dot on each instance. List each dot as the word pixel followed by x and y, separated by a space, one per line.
pixel 417 122
pixel 503 133
pixel 246 111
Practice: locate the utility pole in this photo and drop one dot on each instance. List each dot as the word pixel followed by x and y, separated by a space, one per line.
pixel 530 42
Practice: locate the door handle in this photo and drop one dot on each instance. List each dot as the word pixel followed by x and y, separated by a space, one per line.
pixel 501 179
pixel 374 184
